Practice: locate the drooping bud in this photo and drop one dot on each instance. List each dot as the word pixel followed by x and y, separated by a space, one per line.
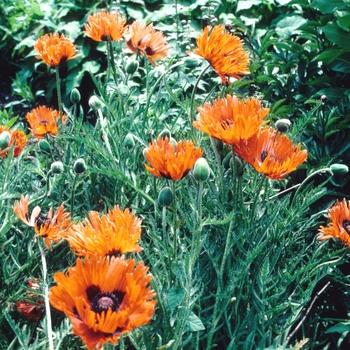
pixel 79 166
pixel 201 170
pixel 165 133
pixel 165 197
pixel 129 141
pixel 132 66
pixel 339 169
pixel 282 125
pixel 75 96
pixel 44 146
pixel 5 138
pixel 95 103
pixel 57 167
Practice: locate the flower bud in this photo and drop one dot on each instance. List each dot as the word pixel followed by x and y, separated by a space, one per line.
pixel 132 66
pixel 75 96
pixel 5 138
pixel 165 133
pixel 165 197
pixel 201 170
pixel 123 90
pixel 57 167
pixel 236 163
pixel 282 125
pixel 226 161
pixel 79 166
pixel 44 146
pixel 95 103
pixel 339 169
pixel 129 141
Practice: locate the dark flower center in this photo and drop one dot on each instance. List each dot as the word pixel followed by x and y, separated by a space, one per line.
pixel 114 252
pixel 264 155
pixel 41 220
pixel 104 301
pixel 149 51
pixel 346 226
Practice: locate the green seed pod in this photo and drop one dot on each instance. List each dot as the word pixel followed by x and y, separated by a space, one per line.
pixel 165 133
pixel 201 170
pixel 132 66
pixel 95 103
pixel 165 197
pixel 44 146
pixel 236 163
pixel 339 169
pixel 79 166
pixel 75 96
pixel 5 138
pixel 283 125
pixel 57 167
pixel 129 141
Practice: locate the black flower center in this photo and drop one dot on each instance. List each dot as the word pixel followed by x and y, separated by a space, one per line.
pixel 104 301
pixel 41 220
pixel 346 226
pixel 264 155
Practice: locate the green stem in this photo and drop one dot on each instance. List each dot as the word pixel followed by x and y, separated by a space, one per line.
pixel 218 159
pixel 72 196
pixel 110 57
pixel 46 297
pixel 103 124
pixel 174 223
pixel 59 97
pixel 257 195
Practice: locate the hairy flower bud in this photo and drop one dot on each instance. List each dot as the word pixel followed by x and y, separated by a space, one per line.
pixel 44 146
pixel 75 96
pixel 79 166
pixel 165 133
pixel 95 103
pixel 5 138
pixel 339 169
pixel 129 141
pixel 132 66
pixel 201 170
pixel 236 163
pixel 282 125
pixel 57 167
pixel 165 197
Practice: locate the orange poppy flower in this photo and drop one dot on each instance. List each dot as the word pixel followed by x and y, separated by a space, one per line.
pixel 102 25
pixel 43 121
pixel 145 40
pixel 52 227
pixel 30 310
pixel 339 227
pixel 104 298
pixel 108 235
pixel 169 161
pixel 271 153
pixel 224 52
pixel 231 120
pixel 18 138
pixel 55 49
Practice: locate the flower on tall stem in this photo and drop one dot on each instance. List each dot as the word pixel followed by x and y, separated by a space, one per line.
pixel 145 40
pixel 104 298
pixel 224 52
pixel 55 49
pixel 102 25
pixel 170 161
pixel 230 119
pixel 114 233
pixel 15 137
pixel 52 227
pixel 271 153
pixel 43 121
pixel 339 227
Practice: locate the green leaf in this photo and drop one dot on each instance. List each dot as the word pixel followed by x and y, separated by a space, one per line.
pixel 342 63
pixel 328 56
pixel 343 19
pixel 194 324
pixel 339 328
pixel 327 6
pixel 175 297
pixel 333 94
pixel 337 35
pixel 286 27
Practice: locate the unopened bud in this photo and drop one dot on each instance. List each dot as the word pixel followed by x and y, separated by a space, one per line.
pixel 95 103
pixel 123 90
pixel 236 163
pixel 57 167
pixel 165 133
pixel 132 66
pixel 165 197
pixel 283 125
pixel 5 138
pixel 129 141
pixel 339 169
pixel 79 166
pixel 201 170
pixel 44 146
pixel 75 96
pixel 226 161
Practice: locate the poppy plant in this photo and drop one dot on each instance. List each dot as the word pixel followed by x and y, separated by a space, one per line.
pixel 104 298
pixel 55 49
pixel 116 232
pixel 339 227
pixel 224 52
pixel 17 138
pixel 271 153
pixel 170 161
pixel 145 40
pixel 230 119
pixel 43 121
pixel 52 227
pixel 102 25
